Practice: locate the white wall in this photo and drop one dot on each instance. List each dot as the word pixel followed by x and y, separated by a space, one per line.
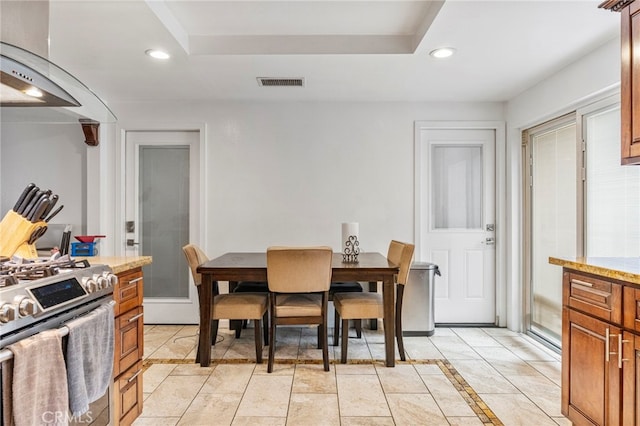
pixel 585 81
pixel 291 173
pixel 53 156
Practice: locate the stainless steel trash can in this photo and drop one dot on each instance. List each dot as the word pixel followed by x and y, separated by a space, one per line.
pixel 418 302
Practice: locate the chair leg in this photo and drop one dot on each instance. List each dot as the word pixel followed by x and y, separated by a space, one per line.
pixel 319 337
pixel 325 344
pixel 258 339
pixel 198 351
pixel 400 294
pixel 245 323
pixel 272 337
pixel 358 324
pixel 345 340
pixel 214 332
pixel 265 327
pixel 237 326
pixel 336 327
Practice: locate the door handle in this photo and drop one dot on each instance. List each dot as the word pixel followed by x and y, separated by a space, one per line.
pixel 490 241
pixel 131 242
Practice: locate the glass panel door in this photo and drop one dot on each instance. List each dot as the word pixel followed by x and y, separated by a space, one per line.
pixel 553 223
pixel 162 214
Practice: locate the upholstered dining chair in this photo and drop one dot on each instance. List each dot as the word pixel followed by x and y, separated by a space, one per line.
pixel 299 279
pixel 232 306
pixel 248 287
pixel 369 305
pixel 347 287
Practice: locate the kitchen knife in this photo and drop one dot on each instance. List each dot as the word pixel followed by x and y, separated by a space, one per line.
pixel 23 196
pixel 52 202
pixel 27 199
pixel 54 213
pixel 39 209
pixel 32 204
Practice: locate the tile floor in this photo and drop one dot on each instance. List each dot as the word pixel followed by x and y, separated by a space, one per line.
pixel 458 376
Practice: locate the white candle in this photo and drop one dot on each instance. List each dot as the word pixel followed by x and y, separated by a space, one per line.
pixel 349 229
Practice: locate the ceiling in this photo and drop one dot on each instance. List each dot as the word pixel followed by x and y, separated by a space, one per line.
pixel 345 50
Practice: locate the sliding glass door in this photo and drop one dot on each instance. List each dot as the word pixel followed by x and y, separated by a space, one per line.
pixel 553 221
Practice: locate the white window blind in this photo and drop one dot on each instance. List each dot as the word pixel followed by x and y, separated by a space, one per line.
pixel 612 194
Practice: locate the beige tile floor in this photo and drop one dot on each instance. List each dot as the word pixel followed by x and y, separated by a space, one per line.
pixel 458 376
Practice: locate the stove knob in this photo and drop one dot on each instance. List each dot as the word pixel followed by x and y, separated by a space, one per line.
pixel 25 306
pixel 89 284
pixel 113 279
pixel 7 312
pixel 101 281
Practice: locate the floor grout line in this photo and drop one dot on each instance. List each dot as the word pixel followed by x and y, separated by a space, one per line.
pixel 470 396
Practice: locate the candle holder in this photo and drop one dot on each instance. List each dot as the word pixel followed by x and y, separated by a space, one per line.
pixel 351 250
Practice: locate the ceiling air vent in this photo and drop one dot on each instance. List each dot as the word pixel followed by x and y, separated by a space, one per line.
pixel 280 82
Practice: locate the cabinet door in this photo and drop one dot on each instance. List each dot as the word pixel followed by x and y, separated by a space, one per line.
pixel 630 380
pixel 591 377
pixel 630 83
pixel 128 395
pixel 129 346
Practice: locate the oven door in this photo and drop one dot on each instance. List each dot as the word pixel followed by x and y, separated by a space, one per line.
pixel 99 413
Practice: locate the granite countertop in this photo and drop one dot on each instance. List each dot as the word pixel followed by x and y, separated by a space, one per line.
pixel 618 268
pixel 119 263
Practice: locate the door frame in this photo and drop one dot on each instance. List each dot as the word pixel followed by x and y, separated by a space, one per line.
pixel 499 127
pixel 198 210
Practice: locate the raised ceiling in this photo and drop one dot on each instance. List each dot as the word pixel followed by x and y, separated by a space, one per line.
pixel 344 50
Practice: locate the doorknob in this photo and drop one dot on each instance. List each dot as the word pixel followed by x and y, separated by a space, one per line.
pixel 490 241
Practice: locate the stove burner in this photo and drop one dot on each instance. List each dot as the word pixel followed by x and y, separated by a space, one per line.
pixel 18 269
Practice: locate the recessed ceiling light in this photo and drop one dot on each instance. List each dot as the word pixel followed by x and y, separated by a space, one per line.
pixel 442 52
pixel 158 54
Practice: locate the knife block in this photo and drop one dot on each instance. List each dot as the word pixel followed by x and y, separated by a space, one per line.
pixel 15 232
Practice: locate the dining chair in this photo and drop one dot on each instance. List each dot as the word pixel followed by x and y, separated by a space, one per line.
pixel 370 305
pixel 347 287
pixel 231 306
pixel 248 287
pixel 299 279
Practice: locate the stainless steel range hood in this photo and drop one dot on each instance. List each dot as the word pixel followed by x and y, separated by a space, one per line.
pixel 62 95
pixel 29 79
pixel 21 85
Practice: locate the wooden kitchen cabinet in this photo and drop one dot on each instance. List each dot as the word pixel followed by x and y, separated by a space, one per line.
pixel 600 349
pixel 630 379
pixel 630 83
pixel 129 346
pixel 629 77
pixel 591 378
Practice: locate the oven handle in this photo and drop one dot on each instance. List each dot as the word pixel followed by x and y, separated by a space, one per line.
pixel 6 354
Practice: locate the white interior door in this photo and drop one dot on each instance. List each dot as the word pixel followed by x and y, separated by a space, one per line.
pixel 457 221
pixel 162 199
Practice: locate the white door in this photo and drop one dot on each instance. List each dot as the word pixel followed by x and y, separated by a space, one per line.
pixel 456 184
pixel 162 199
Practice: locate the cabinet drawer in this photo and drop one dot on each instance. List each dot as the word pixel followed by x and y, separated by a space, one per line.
pixel 595 296
pixel 129 345
pixel 631 299
pixel 128 395
pixel 128 293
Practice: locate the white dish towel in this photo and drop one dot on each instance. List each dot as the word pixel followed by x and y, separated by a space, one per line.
pixel 89 357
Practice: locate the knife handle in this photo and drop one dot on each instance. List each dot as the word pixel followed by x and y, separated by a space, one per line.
pixel 26 200
pixel 23 196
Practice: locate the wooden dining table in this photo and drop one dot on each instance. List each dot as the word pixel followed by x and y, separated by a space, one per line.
pixel 236 267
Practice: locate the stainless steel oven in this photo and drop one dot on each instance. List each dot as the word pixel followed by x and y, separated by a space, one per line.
pixel 44 295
